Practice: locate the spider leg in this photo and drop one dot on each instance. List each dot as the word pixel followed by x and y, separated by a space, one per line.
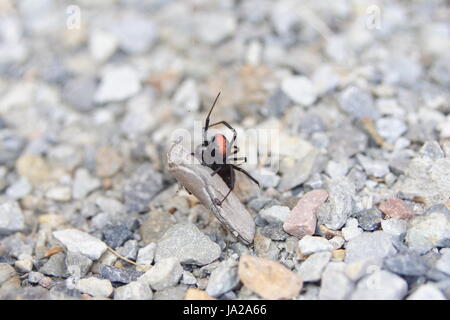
pixel 206 127
pixel 239 158
pixel 235 151
pixel 219 203
pixel 234 159
pixel 246 173
pixel 215 171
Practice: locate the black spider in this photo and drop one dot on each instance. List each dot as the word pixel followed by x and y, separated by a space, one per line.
pixel 218 154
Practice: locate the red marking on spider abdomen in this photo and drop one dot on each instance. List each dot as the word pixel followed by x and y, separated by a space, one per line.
pixel 221 142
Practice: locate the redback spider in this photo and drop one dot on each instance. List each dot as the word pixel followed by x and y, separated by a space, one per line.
pixel 218 154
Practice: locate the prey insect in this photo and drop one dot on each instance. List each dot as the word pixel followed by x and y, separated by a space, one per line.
pixel 219 154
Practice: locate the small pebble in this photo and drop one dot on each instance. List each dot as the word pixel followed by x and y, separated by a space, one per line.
pixel 300 89
pixel 95 287
pixel 81 242
pixel 311 269
pixel 166 273
pixel 186 243
pixel 426 291
pixel 146 255
pixel 311 244
pixel 269 279
pixel 381 285
pixel 302 219
pixel 275 214
pixel 133 291
pixel 396 208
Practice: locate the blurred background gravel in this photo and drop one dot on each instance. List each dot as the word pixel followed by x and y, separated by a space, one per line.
pixel 91 92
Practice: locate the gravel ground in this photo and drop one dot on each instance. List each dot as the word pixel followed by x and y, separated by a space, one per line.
pixel 91 93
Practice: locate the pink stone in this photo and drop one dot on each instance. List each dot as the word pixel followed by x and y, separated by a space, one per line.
pixel 396 208
pixel 302 219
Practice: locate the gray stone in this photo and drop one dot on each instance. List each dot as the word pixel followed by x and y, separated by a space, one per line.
pixel 375 246
pixel 81 242
pixel 147 254
pixel 115 235
pixel 188 278
pixel 102 45
pixel 440 70
pixel 346 141
pixel 59 193
pixel 311 123
pixel 119 275
pixel 337 242
pixel 334 284
pixel 394 227
pixel 55 266
pixel 11 218
pixel 11 146
pixel 24 264
pixel 358 103
pixel 77 264
pixel 6 272
pixel 300 89
pixel 339 206
pixel 141 188
pixel 133 291
pixel 351 229
pixel 166 273
pixel 358 178
pixel 220 26
pixel 443 264
pixel 390 128
pixel 375 168
pixel 406 264
pixel 275 214
pixel 429 230
pixel 369 219
pixel 427 291
pixel 274 232
pixel 432 150
pixel 188 244
pixel 325 79
pixel 337 169
pixel 129 250
pixel 401 70
pixel 156 225
pixel 19 189
pixel 135 33
pixel 84 184
pixel 95 287
pixel 79 93
pixel 428 179
pixel 65 290
pixel 312 268
pixel 186 98
pixel 34 277
pixel 118 83
pixel 172 293
pixel 276 104
pixel 380 285
pixel 18 244
pixel 223 279
pixel 311 244
pixel 303 168
pixel 266 178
